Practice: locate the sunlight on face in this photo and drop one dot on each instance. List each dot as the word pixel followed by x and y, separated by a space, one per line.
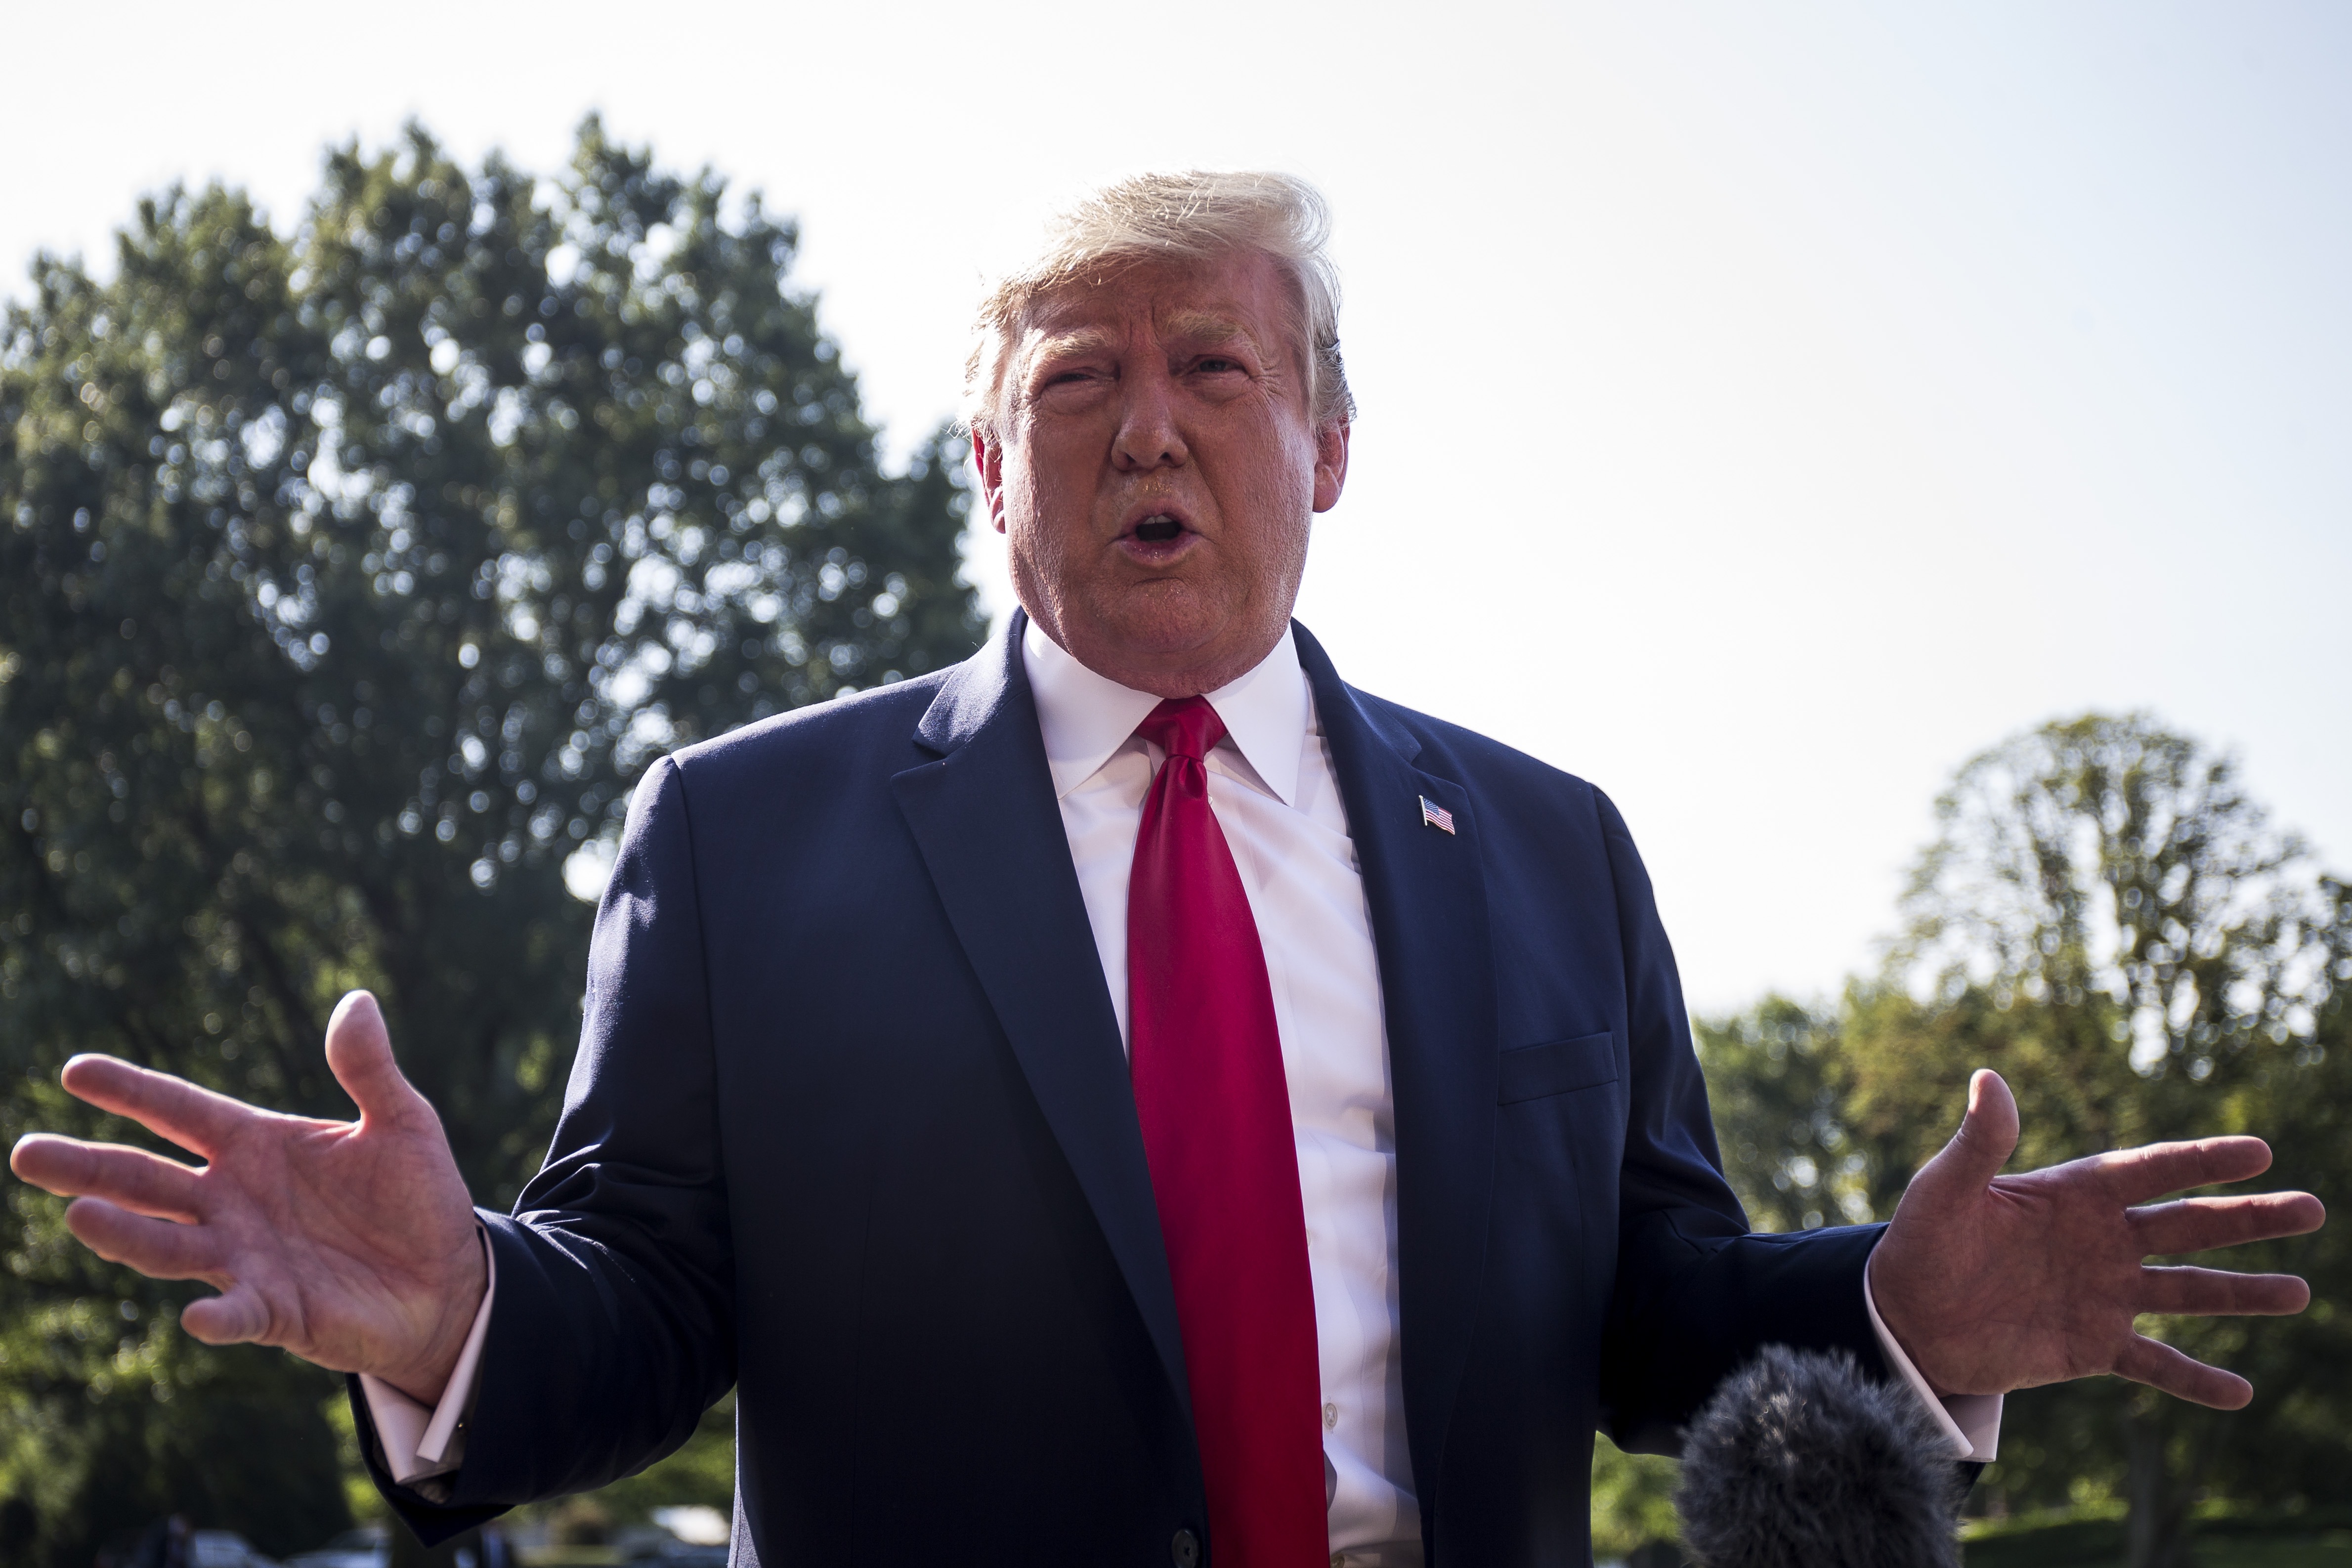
pixel 1155 469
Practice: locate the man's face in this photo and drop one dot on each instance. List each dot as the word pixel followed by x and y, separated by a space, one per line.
pixel 1155 467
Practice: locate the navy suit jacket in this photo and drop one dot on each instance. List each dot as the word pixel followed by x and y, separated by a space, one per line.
pixel 850 1129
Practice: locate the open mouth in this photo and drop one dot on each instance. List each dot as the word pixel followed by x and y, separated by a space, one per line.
pixel 1158 534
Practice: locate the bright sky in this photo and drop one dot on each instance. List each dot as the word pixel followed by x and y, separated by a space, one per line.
pixel 1764 407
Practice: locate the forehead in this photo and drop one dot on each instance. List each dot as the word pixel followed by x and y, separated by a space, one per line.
pixel 1241 290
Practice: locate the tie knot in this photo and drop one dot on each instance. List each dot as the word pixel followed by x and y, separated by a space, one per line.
pixel 1183 726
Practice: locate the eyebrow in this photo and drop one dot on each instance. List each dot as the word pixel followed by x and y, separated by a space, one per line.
pixel 1191 324
pixel 1076 340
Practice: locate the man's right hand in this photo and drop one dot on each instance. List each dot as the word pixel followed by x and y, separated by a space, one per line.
pixel 352 1244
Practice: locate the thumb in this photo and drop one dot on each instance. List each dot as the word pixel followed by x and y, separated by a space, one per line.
pixel 236 1316
pixel 359 1052
pixel 1988 1134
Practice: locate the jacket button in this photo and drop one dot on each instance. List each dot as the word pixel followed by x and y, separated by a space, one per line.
pixel 1185 1549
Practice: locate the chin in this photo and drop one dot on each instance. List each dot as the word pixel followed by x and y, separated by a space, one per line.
pixel 1163 620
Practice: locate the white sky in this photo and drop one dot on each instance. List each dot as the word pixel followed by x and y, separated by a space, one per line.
pixel 1764 407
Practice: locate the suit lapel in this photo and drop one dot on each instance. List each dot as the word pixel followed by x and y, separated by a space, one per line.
pixel 992 836
pixel 984 815
pixel 1428 899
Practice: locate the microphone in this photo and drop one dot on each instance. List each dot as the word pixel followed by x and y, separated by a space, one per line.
pixel 1799 1462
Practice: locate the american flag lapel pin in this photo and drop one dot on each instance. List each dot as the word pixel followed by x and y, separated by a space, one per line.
pixel 1433 815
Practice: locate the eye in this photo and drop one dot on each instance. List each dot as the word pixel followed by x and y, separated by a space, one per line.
pixel 1063 383
pixel 1217 364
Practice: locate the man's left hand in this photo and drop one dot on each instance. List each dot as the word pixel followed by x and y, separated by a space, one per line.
pixel 1992 1282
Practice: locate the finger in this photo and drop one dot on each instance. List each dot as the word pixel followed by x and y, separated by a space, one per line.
pixel 2136 1175
pixel 134 1178
pixel 1988 1134
pixel 2211 1292
pixel 2195 1224
pixel 359 1051
pixel 193 1118
pixel 156 1248
pixel 236 1316
pixel 2162 1367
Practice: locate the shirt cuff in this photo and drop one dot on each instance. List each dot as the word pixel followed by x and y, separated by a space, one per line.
pixel 419 1444
pixel 1970 1422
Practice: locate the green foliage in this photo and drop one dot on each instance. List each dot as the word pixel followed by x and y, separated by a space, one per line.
pixel 348 580
pixel 1633 1499
pixel 2172 949
pixel 701 1471
pixel 2108 920
pixel 111 1417
pixel 1778 1078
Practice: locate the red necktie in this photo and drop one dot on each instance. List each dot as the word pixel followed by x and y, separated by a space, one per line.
pixel 1206 1059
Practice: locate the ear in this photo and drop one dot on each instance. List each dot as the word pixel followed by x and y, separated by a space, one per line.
pixel 1331 464
pixel 988 462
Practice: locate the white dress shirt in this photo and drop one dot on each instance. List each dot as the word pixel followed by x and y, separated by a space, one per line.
pixel 1277 802
pixel 1272 787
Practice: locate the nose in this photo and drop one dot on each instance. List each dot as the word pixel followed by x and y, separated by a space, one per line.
pixel 1148 435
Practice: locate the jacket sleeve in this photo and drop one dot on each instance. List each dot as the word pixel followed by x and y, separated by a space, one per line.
pixel 1697 1293
pixel 612 1328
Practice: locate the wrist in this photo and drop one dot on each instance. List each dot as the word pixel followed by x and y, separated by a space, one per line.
pixel 1894 1320
pixel 426 1377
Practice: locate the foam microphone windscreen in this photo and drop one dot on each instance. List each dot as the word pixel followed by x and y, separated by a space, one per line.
pixel 1799 1462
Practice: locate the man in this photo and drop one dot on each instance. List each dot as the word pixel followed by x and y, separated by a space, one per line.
pixel 1130 1098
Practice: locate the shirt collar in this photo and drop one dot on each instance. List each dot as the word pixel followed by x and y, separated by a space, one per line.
pixel 1085 717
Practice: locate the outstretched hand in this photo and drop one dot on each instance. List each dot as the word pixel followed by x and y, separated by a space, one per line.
pixel 1992 1282
pixel 350 1243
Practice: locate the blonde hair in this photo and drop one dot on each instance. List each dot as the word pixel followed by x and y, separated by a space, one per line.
pixel 1187 216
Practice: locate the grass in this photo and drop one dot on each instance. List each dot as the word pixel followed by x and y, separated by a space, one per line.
pixel 2046 1543
pixel 2219 1543
pixel 2034 1543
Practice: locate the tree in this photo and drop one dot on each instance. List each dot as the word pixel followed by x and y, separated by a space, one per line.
pixel 2108 919
pixel 1777 1079
pixel 1634 1517
pixel 347 580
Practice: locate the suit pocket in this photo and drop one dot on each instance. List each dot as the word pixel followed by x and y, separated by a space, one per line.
pixel 1556 1067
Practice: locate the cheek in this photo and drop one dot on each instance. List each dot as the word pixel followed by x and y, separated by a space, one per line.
pixel 1052 461
pixel 1040 511
pixel 1276 490
pixel 1292 517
